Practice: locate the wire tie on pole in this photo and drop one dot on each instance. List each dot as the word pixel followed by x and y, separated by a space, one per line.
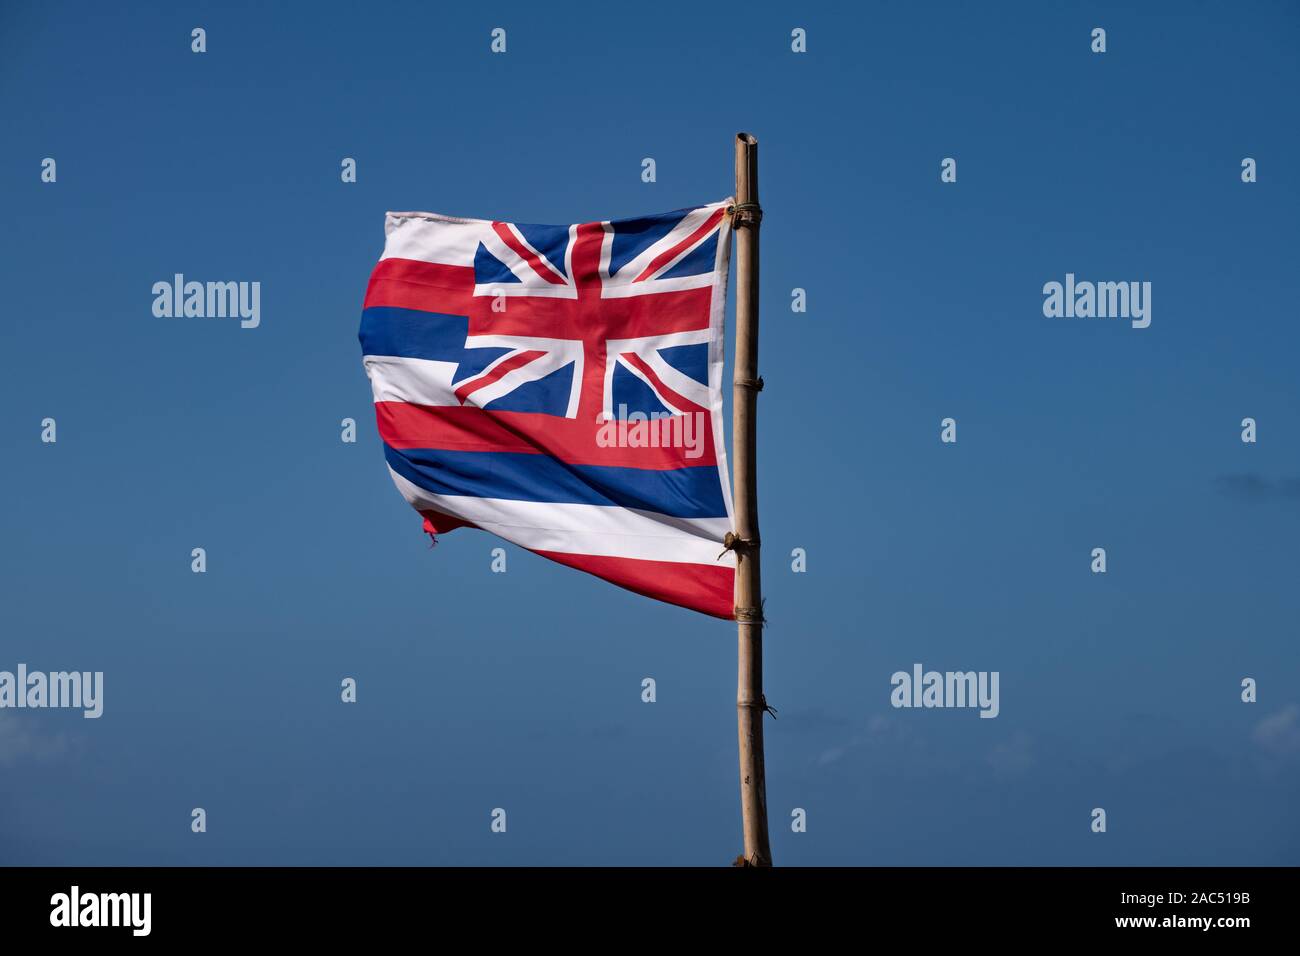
pixel 733 542
pixel 746 214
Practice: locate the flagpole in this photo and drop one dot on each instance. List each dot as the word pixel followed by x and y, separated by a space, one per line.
pixel 750 703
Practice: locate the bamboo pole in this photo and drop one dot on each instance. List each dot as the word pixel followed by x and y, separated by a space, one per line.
pixel 750 704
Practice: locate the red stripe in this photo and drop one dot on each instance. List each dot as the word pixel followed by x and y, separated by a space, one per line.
pixel 699 587
pixel 666 257
pixel 573 441
pixel 523 252
pixel 436 522
pixel 428 286
pixel 497 373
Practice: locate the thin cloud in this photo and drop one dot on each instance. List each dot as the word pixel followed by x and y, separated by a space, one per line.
pixel 1252 486
pixel 1014 756
pixel 1280 733
pixel 18 742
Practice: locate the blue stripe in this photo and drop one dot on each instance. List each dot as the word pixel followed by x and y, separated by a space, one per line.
pixel 413 334
pixel 409 333
pixel 693 492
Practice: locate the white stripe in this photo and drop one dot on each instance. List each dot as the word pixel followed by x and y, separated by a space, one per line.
pixel 395 378
pixel 427 237
pixel 627 290
pixel 445 240
pixel 599 530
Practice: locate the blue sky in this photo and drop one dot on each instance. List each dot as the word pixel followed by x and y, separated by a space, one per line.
pixel 480 690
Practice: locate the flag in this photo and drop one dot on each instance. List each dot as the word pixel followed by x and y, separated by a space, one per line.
pixel 560 387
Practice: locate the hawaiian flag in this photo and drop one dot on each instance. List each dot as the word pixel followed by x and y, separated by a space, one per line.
pixel 560 387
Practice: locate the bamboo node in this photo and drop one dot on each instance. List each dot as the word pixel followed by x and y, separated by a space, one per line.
pixel 755 383
pixel 746 214
pixel 751 615
pixel 761 704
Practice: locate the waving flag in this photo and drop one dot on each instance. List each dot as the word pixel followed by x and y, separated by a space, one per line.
pixel 560 387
